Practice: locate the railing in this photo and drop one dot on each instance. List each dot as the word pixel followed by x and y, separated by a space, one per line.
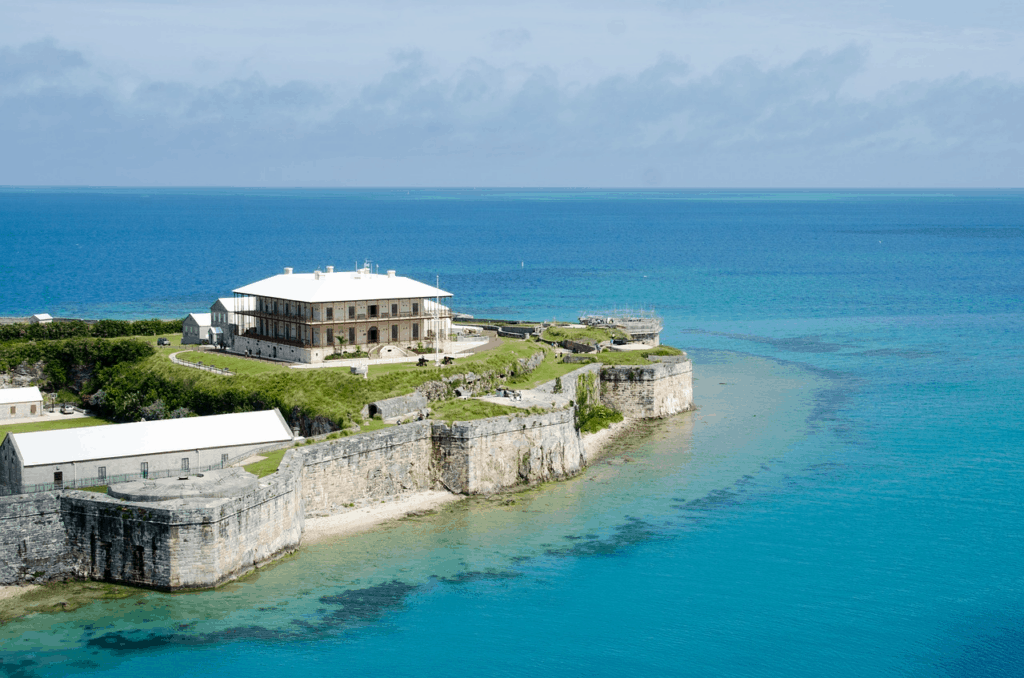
pixel 200 366
pixel 127 477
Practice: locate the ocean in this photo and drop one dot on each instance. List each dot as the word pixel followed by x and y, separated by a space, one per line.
pixel 848 500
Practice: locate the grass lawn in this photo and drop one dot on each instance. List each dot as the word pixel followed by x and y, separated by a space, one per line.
pixel 175 340
pixel 52 425
pixel 582 334
pixel 332 393
pixel 102 489
pixel 233 363
pixel 546 371
pixel 466 410
pixel 268 465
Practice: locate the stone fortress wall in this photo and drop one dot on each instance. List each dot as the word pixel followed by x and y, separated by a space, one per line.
pixel 199 543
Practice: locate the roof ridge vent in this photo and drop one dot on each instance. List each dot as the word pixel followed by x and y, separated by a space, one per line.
pixel 391 274
pixel 330 269
pixel 288 270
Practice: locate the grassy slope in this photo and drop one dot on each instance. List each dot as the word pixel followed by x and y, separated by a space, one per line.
pixel 52 425
pixel 268 465
pixel 334 392
pixel 237 365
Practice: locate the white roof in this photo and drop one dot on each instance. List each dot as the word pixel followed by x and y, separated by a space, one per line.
pixel 231 303
pixel 340 286
pixel 24 394
pixel 201 318
pixel 43 316
pixel 150 437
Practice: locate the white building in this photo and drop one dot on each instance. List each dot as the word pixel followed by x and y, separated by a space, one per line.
pixel 223 317
pixel 304 317
pixel 41 319
pixel 195 329
pixel 99 455
pixel 16 403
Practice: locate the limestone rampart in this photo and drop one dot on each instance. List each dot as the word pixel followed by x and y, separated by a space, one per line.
pixel 198 543
pixel 488 455
pixel 369 466
pixel 648 391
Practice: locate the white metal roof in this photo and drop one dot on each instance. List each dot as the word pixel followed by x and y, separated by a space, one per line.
pixel 202 318
pixel 23 394
pixel 230 304
pixel 43 316
pixel 340 286
pixel 151 437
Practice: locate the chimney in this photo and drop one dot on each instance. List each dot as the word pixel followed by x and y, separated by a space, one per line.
pixel 287 270
pixel 391 274
pixel 330 269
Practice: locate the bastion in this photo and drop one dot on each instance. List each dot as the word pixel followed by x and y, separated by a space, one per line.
pixel 197 531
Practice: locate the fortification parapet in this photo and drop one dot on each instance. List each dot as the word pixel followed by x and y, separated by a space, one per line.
pixel 648 391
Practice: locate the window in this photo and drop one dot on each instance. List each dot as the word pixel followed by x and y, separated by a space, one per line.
pixel 372 310
pixel 184 464
pixel 351 335
pixel 394 333
pixel 351 312
pixel 14 409
pixel 101 473
pixel 330 336
pixel 223 459
pixel 144 469
pixel 58 480
pixel 394 310
pixel 415 308
pixel 372 336
pixel 330 313
pixel 415 330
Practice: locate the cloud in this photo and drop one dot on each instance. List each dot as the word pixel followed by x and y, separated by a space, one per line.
pixel 510 38
pixel 743 124
pixel 41 60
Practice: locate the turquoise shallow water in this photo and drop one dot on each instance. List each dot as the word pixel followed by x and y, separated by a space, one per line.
pixel 847 500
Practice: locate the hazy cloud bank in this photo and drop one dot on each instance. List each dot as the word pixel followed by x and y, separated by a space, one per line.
pixel 63 120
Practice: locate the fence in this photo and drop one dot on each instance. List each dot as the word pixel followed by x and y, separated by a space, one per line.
pixel 200 366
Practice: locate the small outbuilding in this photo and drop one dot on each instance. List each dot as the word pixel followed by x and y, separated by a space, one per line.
pixel 195 329
pixel 17 403
pixel 100 455
pixel 41 319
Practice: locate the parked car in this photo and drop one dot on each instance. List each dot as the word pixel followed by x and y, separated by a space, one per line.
pixel 163 341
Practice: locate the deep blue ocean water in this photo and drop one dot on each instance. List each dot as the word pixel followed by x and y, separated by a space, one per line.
pixel 847 501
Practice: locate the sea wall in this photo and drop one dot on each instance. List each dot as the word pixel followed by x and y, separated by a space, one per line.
pixel 185 543
pixel 33 541
pixel 648 391
pixel 369 466
pixel 488 455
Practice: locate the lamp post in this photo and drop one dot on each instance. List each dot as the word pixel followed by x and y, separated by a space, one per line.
pixel 53 399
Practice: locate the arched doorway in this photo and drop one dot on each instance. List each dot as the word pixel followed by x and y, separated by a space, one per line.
pixel 372 335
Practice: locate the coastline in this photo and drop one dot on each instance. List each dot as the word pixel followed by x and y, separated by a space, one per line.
pixel 368 517
pixel 14 590
pixel 595 444
pixel 363 519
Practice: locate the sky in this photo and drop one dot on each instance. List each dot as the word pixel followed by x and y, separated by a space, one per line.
pixel 662 93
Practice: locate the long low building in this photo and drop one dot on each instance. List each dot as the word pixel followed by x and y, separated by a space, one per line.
pixel 16 403
pixel 99 455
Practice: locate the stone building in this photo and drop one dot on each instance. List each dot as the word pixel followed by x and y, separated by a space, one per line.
pixel 16 403
pixel 41 319
pixel 98 455
pixel 305 317
pixel 195 329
